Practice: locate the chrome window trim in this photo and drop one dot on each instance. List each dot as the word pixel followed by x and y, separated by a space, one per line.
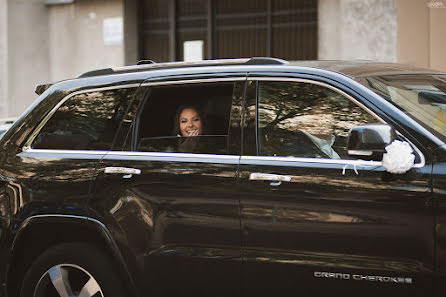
pixel 33 135
pixel 130 155
pixel 172 157
pixel 27 151
pixel 351 98
pixel 254 160
pixel 62 154
pixel 314 82
pixel 39 127
pixel 309 160
pixel 193 158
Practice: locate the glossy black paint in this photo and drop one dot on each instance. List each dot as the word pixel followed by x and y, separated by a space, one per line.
pixel 439 196
pixel 198 224
pixel 175 233
pixel 364 223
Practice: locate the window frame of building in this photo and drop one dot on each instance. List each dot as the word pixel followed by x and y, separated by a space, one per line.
pixel 286 29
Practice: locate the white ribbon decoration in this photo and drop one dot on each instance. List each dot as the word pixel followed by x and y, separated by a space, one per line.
pixel 399 158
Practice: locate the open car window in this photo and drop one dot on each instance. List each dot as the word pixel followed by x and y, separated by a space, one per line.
pixel 158 124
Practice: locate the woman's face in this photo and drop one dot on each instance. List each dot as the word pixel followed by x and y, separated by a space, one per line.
pixel 190 122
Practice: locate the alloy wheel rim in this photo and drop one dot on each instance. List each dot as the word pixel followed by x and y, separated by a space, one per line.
pixel 67 280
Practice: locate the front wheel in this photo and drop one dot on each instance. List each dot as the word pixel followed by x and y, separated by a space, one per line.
pixel 72 269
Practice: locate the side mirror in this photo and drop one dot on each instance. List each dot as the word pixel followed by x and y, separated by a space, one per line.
pixel 369 141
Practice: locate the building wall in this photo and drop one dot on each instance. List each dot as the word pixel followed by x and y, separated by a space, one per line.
pixel 421 36
pixel 358 29
pixel 27 52
pixel 43 43
pixel 3 59
pixel 76 43
pixel 131 32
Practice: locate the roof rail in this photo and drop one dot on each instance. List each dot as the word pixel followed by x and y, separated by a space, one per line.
pixel 266 61
pixel 40 88
pixel 141 62
pixel 148 65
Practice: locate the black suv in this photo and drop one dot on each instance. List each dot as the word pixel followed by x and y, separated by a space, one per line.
pixel 245 177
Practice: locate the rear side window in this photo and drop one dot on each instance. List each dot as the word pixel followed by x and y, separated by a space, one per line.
pixel 186 118
pixel 86 121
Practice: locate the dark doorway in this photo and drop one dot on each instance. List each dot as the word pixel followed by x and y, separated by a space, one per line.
pixel 284 29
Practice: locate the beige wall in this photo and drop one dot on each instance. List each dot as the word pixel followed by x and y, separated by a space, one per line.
pixel 76 43
pixel 421 34
pixel 27 53
pixel 40 44
pixel 3 59
pixel 131 32
pixel 438 38
pixel 357 29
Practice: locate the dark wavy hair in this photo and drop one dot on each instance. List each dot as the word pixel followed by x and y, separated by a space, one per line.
pixel 176 122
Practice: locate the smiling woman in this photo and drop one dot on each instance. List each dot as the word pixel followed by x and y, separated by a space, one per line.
pixel 191 118
pixel 188 124
pixel 188 121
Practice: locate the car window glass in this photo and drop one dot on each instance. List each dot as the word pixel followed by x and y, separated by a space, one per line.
pixel 123 138
pixel 86 121
pixel 421 96
pixel 305 120
pixel 186 118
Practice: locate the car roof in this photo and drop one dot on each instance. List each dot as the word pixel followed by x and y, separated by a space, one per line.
pixel 365 68
pixel 354 69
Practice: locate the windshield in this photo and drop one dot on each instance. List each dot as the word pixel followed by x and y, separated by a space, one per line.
pixel 423 97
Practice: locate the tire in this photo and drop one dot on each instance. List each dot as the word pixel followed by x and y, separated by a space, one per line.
pixel 72 268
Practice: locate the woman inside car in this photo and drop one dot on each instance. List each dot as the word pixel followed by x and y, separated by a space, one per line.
pixel 188 125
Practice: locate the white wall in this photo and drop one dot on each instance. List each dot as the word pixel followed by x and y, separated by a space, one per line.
pixel 27 53
pixel 421 34
pixel 131 32
pixel 45 43
pixel 76 43
pixel 357 29
pixel 3 59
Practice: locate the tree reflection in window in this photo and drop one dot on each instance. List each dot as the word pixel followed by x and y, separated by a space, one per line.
pixel 305 120
pixel 86 121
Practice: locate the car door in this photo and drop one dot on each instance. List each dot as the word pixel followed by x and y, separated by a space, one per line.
pixel 439 197
pixel 175 213
pixel 46 181
pixel 315 221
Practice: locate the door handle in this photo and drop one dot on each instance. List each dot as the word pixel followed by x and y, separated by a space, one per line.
pixel 275 179
pixel 122 170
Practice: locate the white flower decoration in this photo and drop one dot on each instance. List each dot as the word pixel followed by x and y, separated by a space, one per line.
pixel 399 158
